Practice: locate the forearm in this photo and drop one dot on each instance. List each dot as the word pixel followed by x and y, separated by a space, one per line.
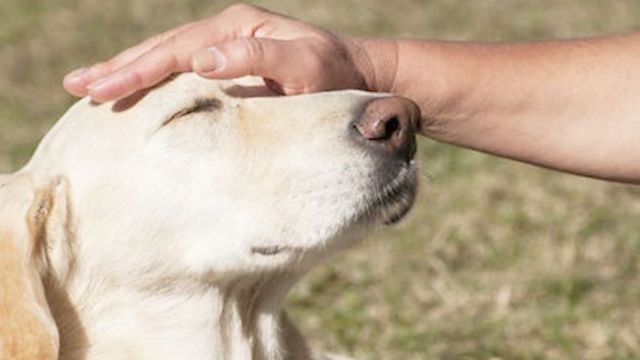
pixel 572 106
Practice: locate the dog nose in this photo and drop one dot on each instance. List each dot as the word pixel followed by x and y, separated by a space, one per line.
pixel 390 123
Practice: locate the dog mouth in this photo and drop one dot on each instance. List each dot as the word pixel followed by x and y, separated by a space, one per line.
pixel 269 250
pixel 389 201
pixel 392 202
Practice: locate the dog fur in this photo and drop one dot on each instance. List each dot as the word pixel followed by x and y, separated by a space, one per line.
pixel 171 225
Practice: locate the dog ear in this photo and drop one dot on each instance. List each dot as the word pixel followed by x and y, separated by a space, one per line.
pixel 27 328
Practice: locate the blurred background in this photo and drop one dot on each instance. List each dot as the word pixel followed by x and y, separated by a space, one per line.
pixel 498 260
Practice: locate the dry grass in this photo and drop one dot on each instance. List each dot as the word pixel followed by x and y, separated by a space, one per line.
pixel 498 260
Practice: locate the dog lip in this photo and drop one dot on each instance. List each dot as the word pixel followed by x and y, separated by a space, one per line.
pixel 396 198
pixel 393 217
pixel 269 250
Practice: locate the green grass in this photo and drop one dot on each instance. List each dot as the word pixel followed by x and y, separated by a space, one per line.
pixel 498 260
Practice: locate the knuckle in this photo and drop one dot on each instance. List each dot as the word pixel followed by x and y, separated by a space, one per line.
pixel 316 65
pixel 172 53
pixel 136 80
pixel 158 38
pixel 242 8
pixel 254 50
pixel 155 40
pixel 104 66
pixel 173 63
pixel 171 42
pixel 169 36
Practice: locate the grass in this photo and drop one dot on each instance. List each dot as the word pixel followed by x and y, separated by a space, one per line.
pixel 498 261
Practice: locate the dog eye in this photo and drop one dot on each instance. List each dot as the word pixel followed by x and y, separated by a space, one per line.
pixel 200 105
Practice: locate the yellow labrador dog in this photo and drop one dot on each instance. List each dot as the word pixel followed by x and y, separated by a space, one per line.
pixel 172 224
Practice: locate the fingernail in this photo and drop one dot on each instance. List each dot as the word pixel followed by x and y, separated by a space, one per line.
pixel 208 60
pixel 75 75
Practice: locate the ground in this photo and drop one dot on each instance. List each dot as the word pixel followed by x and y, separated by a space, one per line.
pixel 498 259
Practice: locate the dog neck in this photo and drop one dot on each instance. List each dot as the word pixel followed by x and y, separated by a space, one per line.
pixel 177 320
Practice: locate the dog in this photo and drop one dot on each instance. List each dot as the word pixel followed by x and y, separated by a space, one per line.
pixel 172 224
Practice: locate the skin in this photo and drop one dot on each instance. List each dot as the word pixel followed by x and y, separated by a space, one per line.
pixel 568 105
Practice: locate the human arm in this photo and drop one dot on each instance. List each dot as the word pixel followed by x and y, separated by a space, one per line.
pixel 572 105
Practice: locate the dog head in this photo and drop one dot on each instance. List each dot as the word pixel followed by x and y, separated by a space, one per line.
pixel 207 179
pixel 220 178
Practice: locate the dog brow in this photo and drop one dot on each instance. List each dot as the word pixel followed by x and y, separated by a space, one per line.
pixel 199 105
pixel 207 104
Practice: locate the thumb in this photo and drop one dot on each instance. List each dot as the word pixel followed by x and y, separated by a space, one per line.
pixel 268 58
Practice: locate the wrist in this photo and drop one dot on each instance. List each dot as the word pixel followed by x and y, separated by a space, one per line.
pixel 441 79
pixel 377 62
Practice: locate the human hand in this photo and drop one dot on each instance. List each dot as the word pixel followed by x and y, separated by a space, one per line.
pixel 293 57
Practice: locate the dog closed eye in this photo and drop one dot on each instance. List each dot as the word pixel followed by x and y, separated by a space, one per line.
pixel 200 105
